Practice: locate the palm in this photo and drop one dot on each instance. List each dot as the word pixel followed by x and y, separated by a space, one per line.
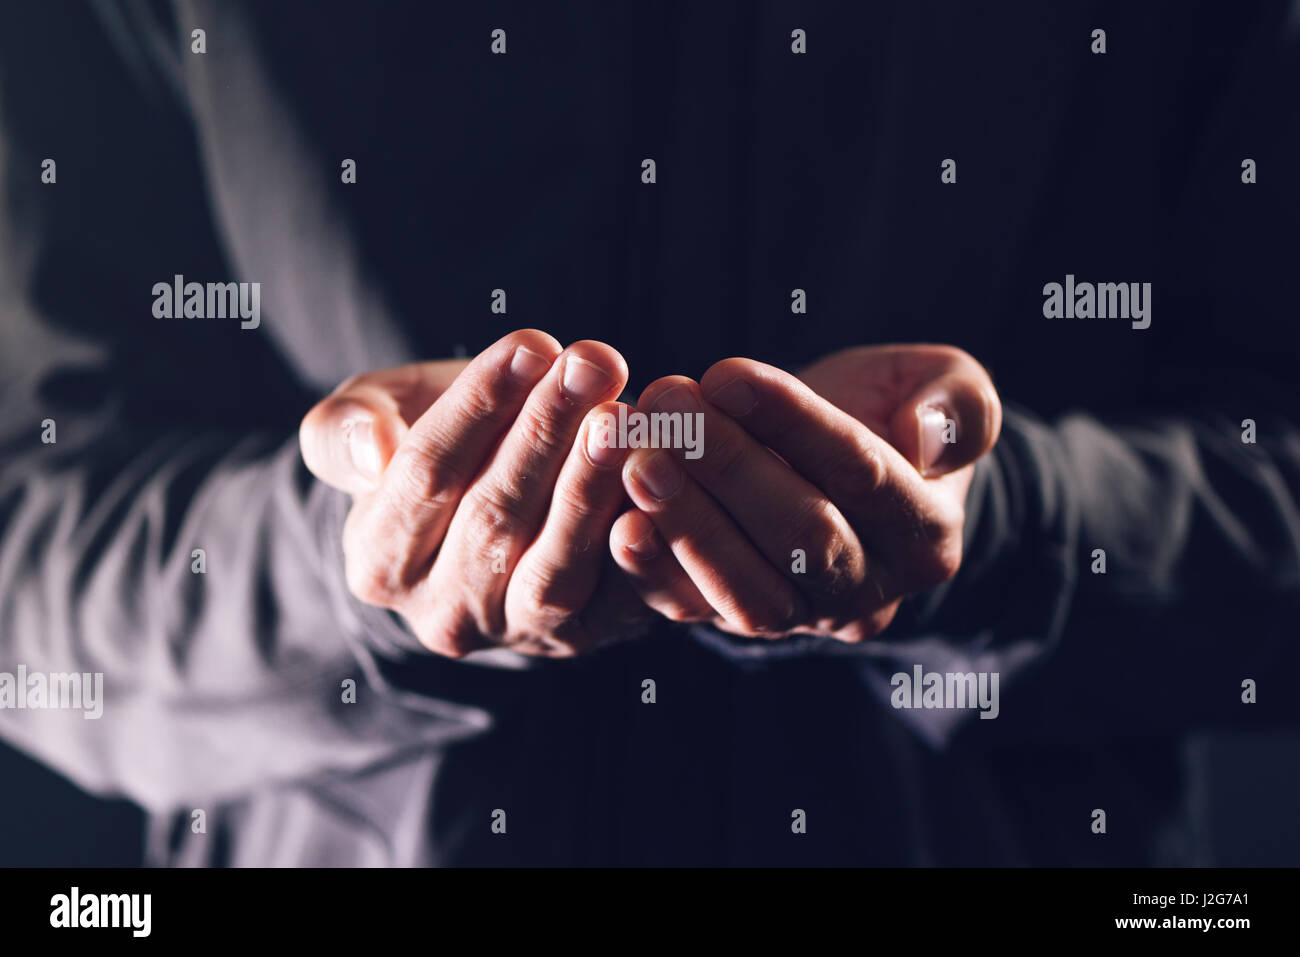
pixel 871 382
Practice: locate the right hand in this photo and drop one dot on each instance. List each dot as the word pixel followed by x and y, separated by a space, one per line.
pixel 476 515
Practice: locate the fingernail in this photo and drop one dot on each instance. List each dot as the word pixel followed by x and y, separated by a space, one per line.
pixel 646 548
pixel 932 422
pixel 583 381
pixel 359 437
pixel 528 365
pixel 659 475
pixel 679 398
pixel 602 445
pixel 736 398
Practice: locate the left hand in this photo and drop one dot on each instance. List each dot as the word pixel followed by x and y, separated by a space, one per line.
pixel 861 464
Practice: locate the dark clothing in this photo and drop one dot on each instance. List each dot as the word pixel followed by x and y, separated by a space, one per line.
pixel 522 171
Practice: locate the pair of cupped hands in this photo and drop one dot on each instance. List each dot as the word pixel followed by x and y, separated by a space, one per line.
pixel 491 508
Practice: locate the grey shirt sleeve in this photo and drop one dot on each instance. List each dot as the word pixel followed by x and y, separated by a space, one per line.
pixel 1122 577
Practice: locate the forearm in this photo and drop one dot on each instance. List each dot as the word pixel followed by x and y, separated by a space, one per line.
pixel 192 572
pixel 1139 570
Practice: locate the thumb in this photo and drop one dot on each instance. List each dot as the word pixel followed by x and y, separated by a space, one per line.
pixel 348 438
pixel 949 422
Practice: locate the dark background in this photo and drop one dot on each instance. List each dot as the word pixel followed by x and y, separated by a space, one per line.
pixel 47 822
pixel 1245 789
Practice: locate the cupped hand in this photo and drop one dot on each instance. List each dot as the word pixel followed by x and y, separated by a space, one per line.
pixel 818 501
pixel 482 495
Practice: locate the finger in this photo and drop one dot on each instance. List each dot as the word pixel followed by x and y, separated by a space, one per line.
pixel 557 574
pixel 790 521
pixel 348 438
pixel 445 447
pixel 858 470
pixel 881 494
pixel 503 510
pixel 654 571
pixel 950 421
pixel 737 581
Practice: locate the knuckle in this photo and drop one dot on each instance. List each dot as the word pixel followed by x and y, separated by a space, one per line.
pixel 838 565
pixel 370 581
pixel 387 564
pixel 939 562
pixel 936 554
pixel 496 514
pixel 480 402
pixel 551 602
pixel 860 472
pixel 727 457
pixel 550 587
pixel 545 432
pixel 845 568
pixel 425 480
pixel 573 501
pixel 948 559
pixel 812 524
pixel 450 632
pixel 868 468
